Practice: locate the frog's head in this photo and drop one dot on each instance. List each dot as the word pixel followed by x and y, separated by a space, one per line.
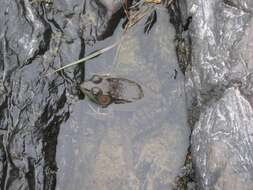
pixel 96 89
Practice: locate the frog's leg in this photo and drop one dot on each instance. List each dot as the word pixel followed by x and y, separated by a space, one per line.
pixel 98 111
pixel 121 101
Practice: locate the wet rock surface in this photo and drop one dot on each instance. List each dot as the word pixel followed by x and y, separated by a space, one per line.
pixel 219 83
pixel 222 148
pixel 33 105
pixel 138 145
pixel 98 16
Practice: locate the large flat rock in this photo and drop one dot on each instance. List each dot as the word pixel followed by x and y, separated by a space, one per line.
pixel 140 145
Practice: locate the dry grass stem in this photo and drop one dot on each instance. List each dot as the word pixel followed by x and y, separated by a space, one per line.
pixel 88 57
pixel 153 1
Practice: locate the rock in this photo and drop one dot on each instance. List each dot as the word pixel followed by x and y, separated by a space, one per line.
pixel 99 13
pixel 138 145
pixel 216 32
pixel 219 87
pixel 33 105
pixel 222 144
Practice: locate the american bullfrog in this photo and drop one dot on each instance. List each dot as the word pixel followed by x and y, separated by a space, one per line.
pixel 104 90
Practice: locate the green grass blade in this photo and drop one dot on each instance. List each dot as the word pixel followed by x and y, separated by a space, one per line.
pixel 88 57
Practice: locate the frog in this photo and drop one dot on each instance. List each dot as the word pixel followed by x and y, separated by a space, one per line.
pixel 104 90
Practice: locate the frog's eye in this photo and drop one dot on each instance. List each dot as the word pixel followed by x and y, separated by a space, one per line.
pixel 96 91
pixel 104 100
pixel 96 79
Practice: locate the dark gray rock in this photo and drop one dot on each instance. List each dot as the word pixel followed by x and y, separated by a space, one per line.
pixel 219 87
pixel 32 104
pixel 98 15
pixel 222 144
pixel 216 33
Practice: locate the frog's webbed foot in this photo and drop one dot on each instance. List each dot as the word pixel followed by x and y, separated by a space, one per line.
pixel 97 111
